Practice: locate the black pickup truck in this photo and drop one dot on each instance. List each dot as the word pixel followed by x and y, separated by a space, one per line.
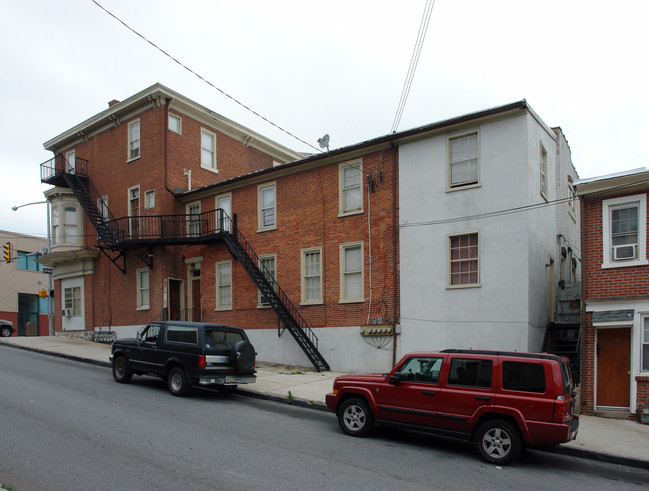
pixel 186 354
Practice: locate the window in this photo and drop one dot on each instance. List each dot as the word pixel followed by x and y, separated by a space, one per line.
pixel 464 267
pixel 134 140
pixel 645 345
pixel 175 123
pixel 267 264
pixel 151 333
pixel 142 289
pixel 463 161
pixel 352 287
pixel 224 202
pixel 219 338
pixel 134 210
pixel 194 220
pixel 267 207
pixel 312 276
pixel 72 300
pixel 69 224
pixel 350 191
pixel 224 285
pixel 70 162
pixel 102 206
pixel 55 225
pixel 524 377
pixel 27 261
pixel 470 373
pixel 182 334
pixel 624 231
pixel 422 369
pixel 149 199
pixel 208 150
pixel 544 172
pixel 572 205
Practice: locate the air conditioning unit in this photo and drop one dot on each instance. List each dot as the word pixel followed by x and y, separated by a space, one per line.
pixel 66 312
pixel 624 252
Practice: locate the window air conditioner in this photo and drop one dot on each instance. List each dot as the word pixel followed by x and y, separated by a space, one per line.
pixel 622 252
pixel 66 312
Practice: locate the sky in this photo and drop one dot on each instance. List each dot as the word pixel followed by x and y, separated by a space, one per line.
pixel 335 67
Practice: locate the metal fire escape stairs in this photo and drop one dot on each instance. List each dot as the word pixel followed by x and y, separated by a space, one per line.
pixel 212 226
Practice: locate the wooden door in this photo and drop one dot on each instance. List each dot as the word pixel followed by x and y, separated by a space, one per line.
pixel 175 292
pixel 613 367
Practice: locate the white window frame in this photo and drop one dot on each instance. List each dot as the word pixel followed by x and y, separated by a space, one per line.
pixel 179 121
pixel 141 305
pixel 449 163
pixel 56 224
pixel 71 162
pixel 228 210
pixel 303 254
pixel 71 237
pixel 449 283
pixel 193 226
pixel 342 189
pixel 644 340
pixel 262 258
pixel 211 166
pixel 73 300
pixel 149 196
pixel 572 205
pixel 131 148
pixel 344 297
pixel 543 171
pixel 219 286
pixel 608 205
pixel 260 208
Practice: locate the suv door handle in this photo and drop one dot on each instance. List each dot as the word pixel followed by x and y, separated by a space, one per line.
pixel 482 398
pixel 428 392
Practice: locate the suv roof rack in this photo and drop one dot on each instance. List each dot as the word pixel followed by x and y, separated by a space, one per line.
pixel 545 356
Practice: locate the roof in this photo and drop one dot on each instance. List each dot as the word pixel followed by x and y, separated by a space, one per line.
pixel 623 182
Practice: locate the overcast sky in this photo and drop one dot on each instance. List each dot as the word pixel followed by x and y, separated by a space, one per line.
pixel 334 67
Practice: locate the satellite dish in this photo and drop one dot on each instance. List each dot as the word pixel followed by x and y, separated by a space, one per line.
pixel 324 142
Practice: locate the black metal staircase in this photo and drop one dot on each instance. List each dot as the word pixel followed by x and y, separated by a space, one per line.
pixel 156 230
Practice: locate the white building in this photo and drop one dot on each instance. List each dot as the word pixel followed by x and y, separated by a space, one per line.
pixel 484 241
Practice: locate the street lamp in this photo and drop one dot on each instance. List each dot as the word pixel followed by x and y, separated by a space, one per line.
pixel 50 300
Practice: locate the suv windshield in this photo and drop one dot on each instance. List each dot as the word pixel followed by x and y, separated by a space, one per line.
pixel 220 338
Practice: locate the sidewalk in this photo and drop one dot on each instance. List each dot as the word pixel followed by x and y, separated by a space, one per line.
pixel 609 440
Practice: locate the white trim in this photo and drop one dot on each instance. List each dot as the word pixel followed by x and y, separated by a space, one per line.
pixel 607 206
pixel 219 305
pixel 260 217
pixel 180 123
pixel 213 166
pixel 344 298
pixel 342 211
pixel 303 299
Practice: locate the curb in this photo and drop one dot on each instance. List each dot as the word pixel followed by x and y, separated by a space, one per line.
pixel 319 406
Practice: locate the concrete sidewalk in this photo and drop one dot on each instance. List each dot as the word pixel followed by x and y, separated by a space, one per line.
pixel 609 440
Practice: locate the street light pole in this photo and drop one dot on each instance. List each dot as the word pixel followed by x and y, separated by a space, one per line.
pixel 50 300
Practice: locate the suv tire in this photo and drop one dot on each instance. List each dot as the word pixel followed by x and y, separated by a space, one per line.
pixel 355 417
pixel 498 441
pixel 5 331
pixel 242 356
pixel 177 382
pixel 121 370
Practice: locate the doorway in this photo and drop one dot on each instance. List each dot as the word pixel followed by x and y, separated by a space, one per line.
pixel 613 368
pixel 175 298
pixel 194 312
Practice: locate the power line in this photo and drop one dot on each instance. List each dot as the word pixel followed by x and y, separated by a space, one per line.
pixel 414 60
pixel 201 78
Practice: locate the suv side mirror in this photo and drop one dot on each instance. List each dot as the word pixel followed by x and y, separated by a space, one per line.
pixel 397 377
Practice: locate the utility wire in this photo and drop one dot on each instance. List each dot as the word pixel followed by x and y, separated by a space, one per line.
pixel 201 78
pixel 414 60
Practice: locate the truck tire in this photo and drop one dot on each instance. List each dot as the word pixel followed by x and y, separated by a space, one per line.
pixel 122 370
pixel 355 417
pixel 498 442
pixel 177 382
pixel 242 356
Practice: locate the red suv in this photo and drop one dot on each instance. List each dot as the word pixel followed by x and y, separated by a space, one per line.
pixel 501 401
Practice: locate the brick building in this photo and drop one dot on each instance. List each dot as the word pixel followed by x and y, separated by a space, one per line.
pixel 615 317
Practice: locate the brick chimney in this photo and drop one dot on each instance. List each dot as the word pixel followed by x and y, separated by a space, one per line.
pixel 113 102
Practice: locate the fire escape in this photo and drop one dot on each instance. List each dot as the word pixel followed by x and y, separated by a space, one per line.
pixel 117 236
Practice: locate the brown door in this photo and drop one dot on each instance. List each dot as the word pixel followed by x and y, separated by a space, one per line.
pixel 195 312
pixel 174 299
pixel 613 367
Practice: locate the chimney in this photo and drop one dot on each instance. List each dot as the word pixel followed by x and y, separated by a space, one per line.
pixel 113 102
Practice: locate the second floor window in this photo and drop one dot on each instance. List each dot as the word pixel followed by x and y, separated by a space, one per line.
pixel 463 163
pixel 267 207
pixel 624 232
pixel 134 140
pixel 464 267
pixel 69 224
pixel 624 236
pixel 544 172
pixel 350 188
pixel 208 150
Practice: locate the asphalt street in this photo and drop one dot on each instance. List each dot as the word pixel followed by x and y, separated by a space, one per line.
pixel 68 425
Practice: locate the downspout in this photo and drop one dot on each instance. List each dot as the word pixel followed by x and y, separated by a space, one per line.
pixel 395 255
pixel 582 317
pixel 166 140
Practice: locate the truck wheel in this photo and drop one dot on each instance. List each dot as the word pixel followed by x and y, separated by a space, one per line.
pixel 121 370
pixel 177 382
pixel 243 356
pixel 498 442
pixel 355 417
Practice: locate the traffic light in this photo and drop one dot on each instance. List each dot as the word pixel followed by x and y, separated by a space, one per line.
pixel 7 252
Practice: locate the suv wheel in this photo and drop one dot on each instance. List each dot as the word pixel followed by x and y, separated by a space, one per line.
pixel 121 370
pixel 355 417
pixel 243 356
pixel 5 331
pixel 498 442
pixel 177 382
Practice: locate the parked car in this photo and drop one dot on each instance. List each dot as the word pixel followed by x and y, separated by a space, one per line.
pixel 6 328
pixel 186 354
pixel 501 401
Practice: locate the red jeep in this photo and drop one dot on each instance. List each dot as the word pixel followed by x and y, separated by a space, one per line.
pixel 499 400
